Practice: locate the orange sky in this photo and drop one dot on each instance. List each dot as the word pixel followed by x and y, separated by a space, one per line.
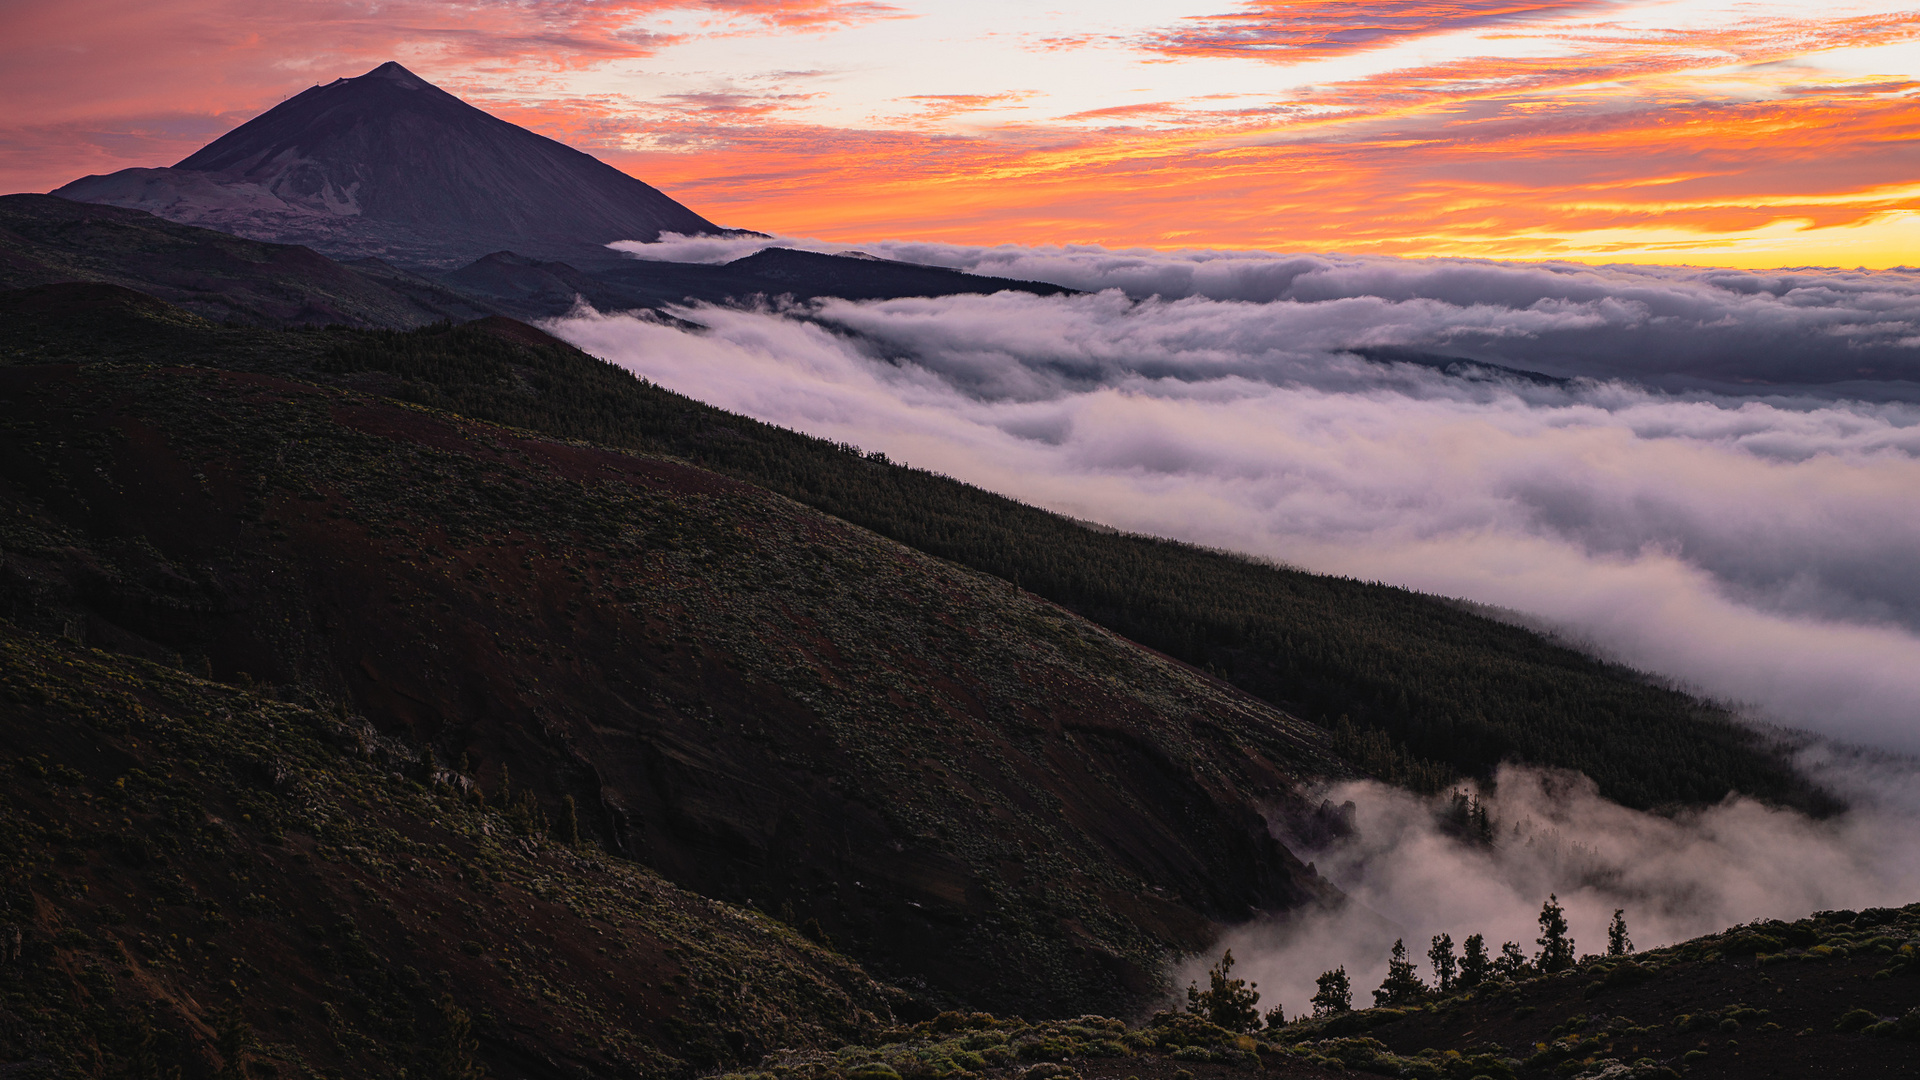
pixel 1716 132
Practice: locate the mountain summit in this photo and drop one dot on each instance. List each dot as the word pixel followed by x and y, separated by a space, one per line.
pixel 390 165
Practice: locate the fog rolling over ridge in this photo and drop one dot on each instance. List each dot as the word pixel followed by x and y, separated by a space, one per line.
pixel 1758 547
pixel 1677 877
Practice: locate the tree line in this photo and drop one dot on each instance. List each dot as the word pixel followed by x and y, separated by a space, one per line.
pixel 1234 1004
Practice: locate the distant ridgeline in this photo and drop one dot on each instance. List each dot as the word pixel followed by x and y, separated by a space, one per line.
pixel 1431 691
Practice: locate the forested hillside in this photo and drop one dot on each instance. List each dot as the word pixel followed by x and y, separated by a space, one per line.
pixel 1454 692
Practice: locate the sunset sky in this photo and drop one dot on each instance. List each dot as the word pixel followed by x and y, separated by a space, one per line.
pixel 1696 131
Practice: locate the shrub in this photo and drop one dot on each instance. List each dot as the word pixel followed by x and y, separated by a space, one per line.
pixel 1854 1020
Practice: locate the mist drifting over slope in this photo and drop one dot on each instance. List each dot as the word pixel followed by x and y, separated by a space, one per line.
pixel 1676 877
pixel 1758 547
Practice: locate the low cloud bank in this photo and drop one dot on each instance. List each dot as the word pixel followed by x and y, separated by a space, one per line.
pixel 1855 333
pixel 1757 548
pixel 1724 490
pixel 1699 872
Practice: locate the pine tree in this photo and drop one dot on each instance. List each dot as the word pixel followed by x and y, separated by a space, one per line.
pixel 1512 962
pixel 1275 1019
pixel 1618 943
pixel 567 828
pixel 1227 1002
pixel 453 1058
pixel 1482 821
pixel 425 768
pixel 1440 955
pixel 1556 948
pixel 1335 993
pixel 1475 965
pixel 236 1041
pixel 1402 986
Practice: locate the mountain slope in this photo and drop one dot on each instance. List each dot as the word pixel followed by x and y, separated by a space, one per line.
pixel 190 867
pixel 1433 690
pixel 967 787
pixel 389 165
pixel 47 240
pixel 1833 995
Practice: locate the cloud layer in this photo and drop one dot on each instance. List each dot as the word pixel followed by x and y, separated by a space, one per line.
pixel 1758 548
pixel 1697 873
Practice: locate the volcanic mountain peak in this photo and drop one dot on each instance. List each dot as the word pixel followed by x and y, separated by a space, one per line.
pixel 391 166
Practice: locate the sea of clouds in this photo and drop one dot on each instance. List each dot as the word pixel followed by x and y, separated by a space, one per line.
pixel 1709 488
pixel 1717 480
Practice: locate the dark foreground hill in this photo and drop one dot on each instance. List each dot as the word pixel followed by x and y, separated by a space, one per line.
pixel 968 788
pixel 201 880
pixel 1833 995
pixel 390 166
pixel 198 878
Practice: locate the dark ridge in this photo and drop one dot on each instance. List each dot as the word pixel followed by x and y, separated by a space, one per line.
pixel 45 240
pixel 1446 691
pixel 1460 367
pixel 809 274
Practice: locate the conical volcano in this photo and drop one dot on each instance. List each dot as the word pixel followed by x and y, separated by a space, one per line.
pixel 392 166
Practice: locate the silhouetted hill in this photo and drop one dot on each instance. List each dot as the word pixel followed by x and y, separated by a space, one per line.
pixel 532 288
pixel 49 240
pixel 389 165
pixel 852 276
pixel 1836 994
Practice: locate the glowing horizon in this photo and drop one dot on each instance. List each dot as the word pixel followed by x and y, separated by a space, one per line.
pixel 1637 131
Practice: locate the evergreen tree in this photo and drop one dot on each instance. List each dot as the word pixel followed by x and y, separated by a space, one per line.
pixel 1556 948
pixel 1512 963
pixel 1440 955
pixel 567 828
pixel 1618 943
pixel 1475 965
pixel 1227 1002
pixel 236 1041
pixel 425 767
pixel 1482 823
pixel 453 1058
pixel 1275 1019
pixel 1335 993
pixel 1402 986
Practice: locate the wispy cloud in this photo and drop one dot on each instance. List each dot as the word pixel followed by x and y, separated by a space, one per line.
pixel 1294 30
pixel 1501 128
